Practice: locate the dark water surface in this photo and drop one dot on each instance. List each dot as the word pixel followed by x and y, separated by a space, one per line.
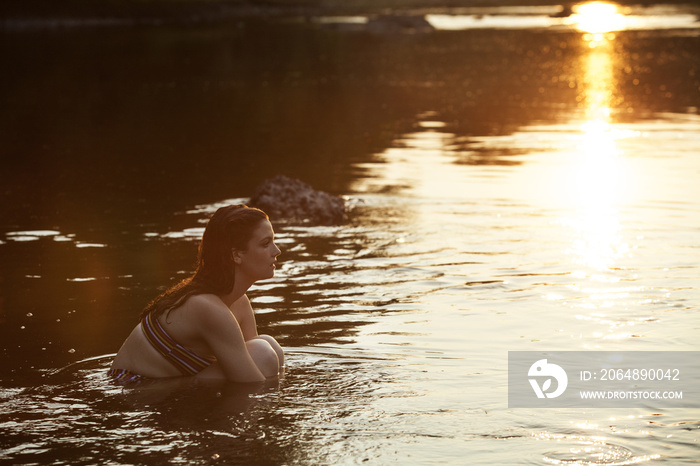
pixel 512 189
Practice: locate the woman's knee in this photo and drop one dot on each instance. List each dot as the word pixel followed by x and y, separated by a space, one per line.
pixel 264 356
pixel 275 346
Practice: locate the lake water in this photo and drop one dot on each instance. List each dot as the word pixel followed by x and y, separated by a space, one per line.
pixel 518 186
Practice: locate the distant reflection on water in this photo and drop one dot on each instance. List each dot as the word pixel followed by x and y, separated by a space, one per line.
pixel 509 190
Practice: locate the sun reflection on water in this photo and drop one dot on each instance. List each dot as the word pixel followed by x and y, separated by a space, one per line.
pixel 598 18
pixel 597 171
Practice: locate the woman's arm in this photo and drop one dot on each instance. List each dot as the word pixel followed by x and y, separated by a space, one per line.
pixel 223 334
pixel 243 312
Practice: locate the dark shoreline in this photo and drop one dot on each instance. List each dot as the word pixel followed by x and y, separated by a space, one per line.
pixel 157 12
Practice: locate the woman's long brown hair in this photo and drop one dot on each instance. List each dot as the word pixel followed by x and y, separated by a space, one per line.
pixel 231 227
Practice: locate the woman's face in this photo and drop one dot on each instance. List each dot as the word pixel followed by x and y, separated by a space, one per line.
pixel 258 261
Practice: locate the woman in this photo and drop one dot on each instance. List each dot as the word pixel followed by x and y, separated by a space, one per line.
pixel 205 326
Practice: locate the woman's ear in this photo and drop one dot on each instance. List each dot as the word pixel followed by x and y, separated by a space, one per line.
pixel 236 256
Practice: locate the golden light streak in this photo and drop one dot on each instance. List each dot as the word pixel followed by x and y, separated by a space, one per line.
pixel 597 175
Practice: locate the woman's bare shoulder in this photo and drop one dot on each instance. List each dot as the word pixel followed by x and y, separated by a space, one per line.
pixel 211 301
pixel 208 309
pixel 205 300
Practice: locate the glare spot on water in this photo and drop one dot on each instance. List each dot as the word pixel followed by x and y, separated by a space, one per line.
pixel 478 21
pixel 342 19
pixel 30 235
pixel 432 124
pixel 580 449
pixel 594 18
pixel 597 17
pixel 266 299
pixel 187 233
pixel 37 233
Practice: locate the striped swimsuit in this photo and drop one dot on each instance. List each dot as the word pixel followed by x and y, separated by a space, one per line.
pixel 185 360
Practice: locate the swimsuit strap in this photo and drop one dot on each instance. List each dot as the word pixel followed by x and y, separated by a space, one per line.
pixel 186 361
